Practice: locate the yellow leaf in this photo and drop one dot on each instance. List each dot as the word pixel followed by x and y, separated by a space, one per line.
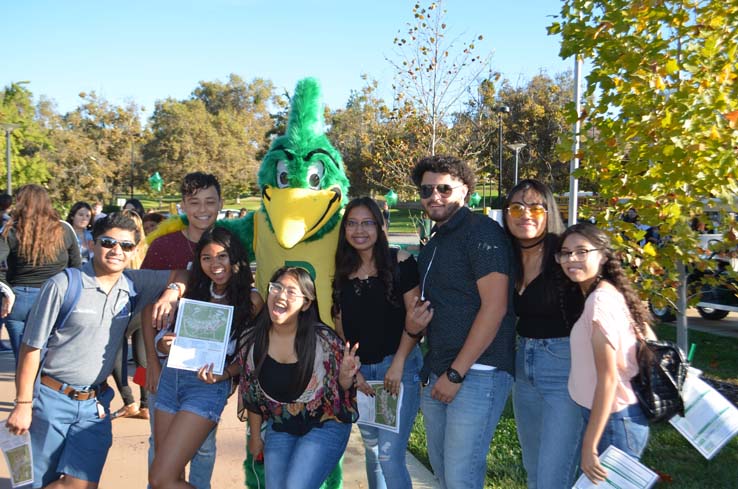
pixel 714 134
pixel 649 249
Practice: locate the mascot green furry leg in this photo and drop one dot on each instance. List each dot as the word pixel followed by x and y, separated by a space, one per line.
pixel 304 190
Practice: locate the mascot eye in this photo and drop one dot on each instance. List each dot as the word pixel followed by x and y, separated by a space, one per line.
pixel 315 175
pixel 282 175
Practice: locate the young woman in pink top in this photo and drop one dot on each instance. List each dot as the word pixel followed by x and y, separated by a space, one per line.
pixel 603 348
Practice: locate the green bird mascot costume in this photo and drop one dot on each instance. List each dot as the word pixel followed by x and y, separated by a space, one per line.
pixel 304 189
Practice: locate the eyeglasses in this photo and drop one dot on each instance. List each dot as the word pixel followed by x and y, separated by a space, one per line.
pixel 368 224
pixel 517 210
pixel 574 256
pixel 276 289
pixel 110 243
pixel 444 190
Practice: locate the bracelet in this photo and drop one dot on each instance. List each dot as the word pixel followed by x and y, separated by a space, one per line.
pixel 415 336
pixel 16 402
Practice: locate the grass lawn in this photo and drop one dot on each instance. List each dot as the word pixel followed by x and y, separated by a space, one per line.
pixel 680 465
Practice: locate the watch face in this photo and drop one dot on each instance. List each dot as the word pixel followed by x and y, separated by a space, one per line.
pixel 454 376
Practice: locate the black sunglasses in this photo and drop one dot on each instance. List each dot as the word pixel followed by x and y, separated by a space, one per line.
pixel 110 243
pixel 444 190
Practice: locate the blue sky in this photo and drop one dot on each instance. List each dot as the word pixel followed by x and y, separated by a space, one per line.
pixel 150 50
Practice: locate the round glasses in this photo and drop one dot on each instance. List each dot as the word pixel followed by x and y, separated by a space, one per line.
pixel 276 289
pixel 517 210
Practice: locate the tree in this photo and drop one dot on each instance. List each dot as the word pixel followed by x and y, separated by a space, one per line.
pixel 431 73
pixel 29 142
pixel 660 95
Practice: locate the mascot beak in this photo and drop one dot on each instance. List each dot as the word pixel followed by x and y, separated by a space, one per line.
pixel 298 213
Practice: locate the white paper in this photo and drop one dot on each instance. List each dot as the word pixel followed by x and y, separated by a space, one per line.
pixel 623 472
pixel 382 410
pixel 18 456
pixel 710 420
pixel 203 331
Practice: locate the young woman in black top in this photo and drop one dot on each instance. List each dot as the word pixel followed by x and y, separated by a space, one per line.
pixel 547 305
pixel 372 287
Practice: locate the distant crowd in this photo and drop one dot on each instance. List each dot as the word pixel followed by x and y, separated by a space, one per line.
pixel 484 310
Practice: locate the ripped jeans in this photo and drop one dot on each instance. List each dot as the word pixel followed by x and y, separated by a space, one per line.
pixel 384 450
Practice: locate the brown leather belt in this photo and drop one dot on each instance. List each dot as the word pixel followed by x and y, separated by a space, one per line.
pixel 73 393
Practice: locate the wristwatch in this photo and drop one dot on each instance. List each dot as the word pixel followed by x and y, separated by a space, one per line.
pixel 173 286
pixel 454 376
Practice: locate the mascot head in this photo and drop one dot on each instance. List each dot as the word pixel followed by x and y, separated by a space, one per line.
pixel 302 177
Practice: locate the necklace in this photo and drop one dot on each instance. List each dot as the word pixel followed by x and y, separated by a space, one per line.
pixel 186 233
pixel 533 245
pixel 214 295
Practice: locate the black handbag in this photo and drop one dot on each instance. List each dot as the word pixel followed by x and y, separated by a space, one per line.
pixel 658 385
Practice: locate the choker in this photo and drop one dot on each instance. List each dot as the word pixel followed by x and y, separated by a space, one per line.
pixel 215 296
pixel 533 245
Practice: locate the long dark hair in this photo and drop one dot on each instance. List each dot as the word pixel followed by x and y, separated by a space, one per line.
pixel 238 290
pixel 138 207
pixel 73 212
pixel 36 225
pixel 612 271
pixel 308 321
pixel 348 259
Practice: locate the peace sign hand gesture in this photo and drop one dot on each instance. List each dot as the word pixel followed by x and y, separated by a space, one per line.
pixel 350 365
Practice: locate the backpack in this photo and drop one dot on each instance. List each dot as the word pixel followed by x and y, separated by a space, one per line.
pixel 658 385
pixel 69 302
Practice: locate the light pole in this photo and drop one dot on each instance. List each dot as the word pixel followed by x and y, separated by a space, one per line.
pixel 8 129
pixel 502 109
pixel 516 147
pixel 133 140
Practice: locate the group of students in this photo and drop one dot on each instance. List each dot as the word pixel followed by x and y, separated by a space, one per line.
pixel 579 323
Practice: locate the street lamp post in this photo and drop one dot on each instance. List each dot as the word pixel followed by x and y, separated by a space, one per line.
pixel 8 129
pixel 516 147
pixel 502 109
pixel 133 141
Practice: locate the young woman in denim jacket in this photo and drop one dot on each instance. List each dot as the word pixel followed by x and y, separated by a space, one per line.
pixel 299 376
pixel 547 304
pixel 372 288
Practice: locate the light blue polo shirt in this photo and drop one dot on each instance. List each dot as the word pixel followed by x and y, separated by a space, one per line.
pixel 82 352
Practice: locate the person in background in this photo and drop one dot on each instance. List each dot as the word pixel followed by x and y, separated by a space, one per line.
pixel 466 277
pixel 549 423
pixel 80 218
pixel 130 408
pixel 228 215
pixel 603 348
pixel 97 211
pixel 201 202
pixel 39 245
pixel 6 200
pixel 242 212
pixel 136 206
pixel 151 221
pixel 372 287
pixel 189 404
pixel 299 376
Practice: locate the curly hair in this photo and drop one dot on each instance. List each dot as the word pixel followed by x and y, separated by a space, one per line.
pixel 195 181
pixel 612 271
pixel 36 225
pixel 445 164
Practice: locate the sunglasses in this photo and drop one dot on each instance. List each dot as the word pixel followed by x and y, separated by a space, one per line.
pixel 444 190
pixel 517 210
pixel 110 243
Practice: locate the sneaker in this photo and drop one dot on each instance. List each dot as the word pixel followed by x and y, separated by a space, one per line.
pixel 129 411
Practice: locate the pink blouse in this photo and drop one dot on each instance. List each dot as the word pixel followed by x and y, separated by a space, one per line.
pixel 605 309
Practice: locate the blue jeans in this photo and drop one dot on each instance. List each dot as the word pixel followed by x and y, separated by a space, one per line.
pixel 68 436
pixel 201 465
pixel 303 462
pixel 549 422
pixel 16 321
pixel 385 450
pixel 626 429
pixel 459 433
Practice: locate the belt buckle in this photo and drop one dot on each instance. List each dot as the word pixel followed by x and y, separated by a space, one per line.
pixel 74 395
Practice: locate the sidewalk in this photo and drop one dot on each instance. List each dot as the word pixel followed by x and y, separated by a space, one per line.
pixel 126 464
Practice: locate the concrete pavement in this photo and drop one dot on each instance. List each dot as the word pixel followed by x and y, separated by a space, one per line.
pixel 126 465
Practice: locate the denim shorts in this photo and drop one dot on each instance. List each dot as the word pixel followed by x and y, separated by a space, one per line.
pixel 69 437
pixel 181 390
